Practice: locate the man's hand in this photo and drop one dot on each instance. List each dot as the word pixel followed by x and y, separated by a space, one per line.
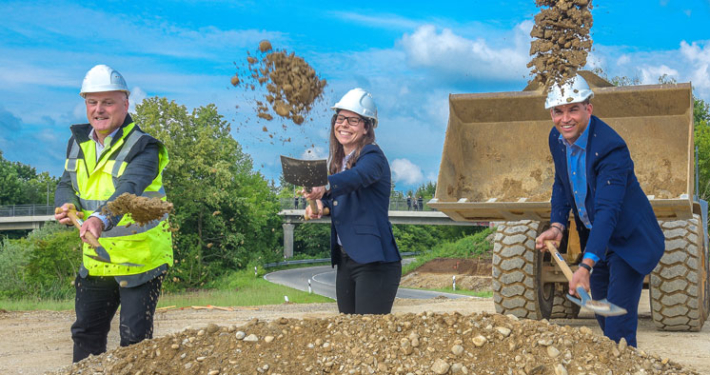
pixel 552 234
pixel 61 216
pixel 580 278
pixel 93 225
pixel 315 193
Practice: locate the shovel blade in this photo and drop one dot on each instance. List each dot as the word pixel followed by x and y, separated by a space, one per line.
pixel 306 173
pixel 601 307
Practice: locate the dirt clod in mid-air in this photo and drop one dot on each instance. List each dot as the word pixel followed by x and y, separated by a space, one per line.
pixel 422 343
pixel 562 41
pixel 142 209
pixel 292 85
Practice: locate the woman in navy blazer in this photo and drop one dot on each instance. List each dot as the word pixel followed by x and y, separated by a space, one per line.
pixel 362 244
pixel 594 177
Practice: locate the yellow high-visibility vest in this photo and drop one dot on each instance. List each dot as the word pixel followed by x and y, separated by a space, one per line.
pixel 94 182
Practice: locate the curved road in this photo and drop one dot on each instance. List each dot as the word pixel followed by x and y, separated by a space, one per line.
pixel 323 282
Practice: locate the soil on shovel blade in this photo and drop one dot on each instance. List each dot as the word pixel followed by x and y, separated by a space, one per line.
pixel 142 209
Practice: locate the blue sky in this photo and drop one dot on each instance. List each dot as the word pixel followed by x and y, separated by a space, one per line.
pixel 411 55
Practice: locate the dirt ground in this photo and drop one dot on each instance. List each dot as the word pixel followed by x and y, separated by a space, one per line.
pixel 37 342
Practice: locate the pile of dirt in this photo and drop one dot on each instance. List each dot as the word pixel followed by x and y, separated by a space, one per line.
pixel 142 209
pixel 423 343
pixel 292 85
pixel 562 40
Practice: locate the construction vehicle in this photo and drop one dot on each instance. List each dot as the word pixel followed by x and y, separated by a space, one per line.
pixel 496 166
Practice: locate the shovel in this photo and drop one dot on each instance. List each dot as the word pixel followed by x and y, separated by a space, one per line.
pixel 306 173
pixel 101 254
pixel 601 307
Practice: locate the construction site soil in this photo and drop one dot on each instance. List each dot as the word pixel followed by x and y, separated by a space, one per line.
pixel 436 336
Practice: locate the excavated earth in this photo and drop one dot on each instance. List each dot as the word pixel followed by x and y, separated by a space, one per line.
pixel 292 85
pixel 39 342
pixel 561 40
pixel 422 343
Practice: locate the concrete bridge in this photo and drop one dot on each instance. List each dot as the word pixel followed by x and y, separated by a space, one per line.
pixel 19 217
pixel 293 217
pixel 25 216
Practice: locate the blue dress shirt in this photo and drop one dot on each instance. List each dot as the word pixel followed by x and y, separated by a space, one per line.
pixel 576 170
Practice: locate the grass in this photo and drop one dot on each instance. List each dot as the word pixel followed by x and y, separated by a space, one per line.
pixel 474 246
pixel 242 288
pixel 34 304
pixel 238 288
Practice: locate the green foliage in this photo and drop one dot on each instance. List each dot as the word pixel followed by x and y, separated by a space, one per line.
pixel 312 240
pixel 471 246
pixel 226 213
pixel 424 237
pixel 20 184
pixel 701 115
pixel 42 265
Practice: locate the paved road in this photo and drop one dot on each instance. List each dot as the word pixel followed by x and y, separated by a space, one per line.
pixel 323 282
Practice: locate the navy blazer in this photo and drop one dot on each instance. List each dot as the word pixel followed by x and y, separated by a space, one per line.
pixel 358 202
pixel 622 217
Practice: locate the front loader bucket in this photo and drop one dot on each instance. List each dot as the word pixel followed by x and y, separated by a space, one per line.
pixel 496 163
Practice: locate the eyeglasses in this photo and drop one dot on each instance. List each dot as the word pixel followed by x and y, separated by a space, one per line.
pixel 352 121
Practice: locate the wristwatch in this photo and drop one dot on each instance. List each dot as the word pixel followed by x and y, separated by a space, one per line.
pixel 586 266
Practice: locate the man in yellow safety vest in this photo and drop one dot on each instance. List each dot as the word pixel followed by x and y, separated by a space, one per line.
pixel 107 157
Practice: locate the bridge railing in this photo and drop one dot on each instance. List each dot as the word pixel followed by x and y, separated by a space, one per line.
pixel 26 210
pixel 396 204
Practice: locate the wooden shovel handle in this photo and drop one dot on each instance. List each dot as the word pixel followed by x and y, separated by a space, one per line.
pixel 559 259
pixel 75 220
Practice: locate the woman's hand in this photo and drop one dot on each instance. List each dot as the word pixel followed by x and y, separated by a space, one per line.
pixel 315 193
pixel 310 214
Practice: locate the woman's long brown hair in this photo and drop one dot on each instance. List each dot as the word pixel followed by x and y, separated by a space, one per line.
pixel 337 153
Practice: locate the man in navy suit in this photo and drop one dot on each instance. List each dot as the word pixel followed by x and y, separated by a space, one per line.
pixel 594 177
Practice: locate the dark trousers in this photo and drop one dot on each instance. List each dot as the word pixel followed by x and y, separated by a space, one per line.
pixel 366 288
pixel 96 302
pixel 615 280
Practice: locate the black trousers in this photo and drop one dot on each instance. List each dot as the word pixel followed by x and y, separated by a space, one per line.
pixel 366 288
pixel 96 302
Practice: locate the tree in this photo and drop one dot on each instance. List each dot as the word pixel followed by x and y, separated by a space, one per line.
pixel 701 116
pixel 20 184
pixel 226 213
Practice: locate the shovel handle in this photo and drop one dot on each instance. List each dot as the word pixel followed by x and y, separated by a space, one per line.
pixel 314 207
pixel 75 220
pixel 559 259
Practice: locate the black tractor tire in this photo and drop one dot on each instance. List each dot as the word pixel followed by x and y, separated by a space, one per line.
pixel 517 272
pixel 679 282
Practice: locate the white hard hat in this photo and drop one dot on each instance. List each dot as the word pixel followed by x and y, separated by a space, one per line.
pixel 575 90
pixel 359 101
pixel 103 78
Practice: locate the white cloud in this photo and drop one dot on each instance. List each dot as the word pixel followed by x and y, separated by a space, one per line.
pixel 452 54
pixel 405 172
pixel 650 74
pixel 388 21
pixel 623 60
pixel 315 152
pixel 137 96
pixel 699 58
